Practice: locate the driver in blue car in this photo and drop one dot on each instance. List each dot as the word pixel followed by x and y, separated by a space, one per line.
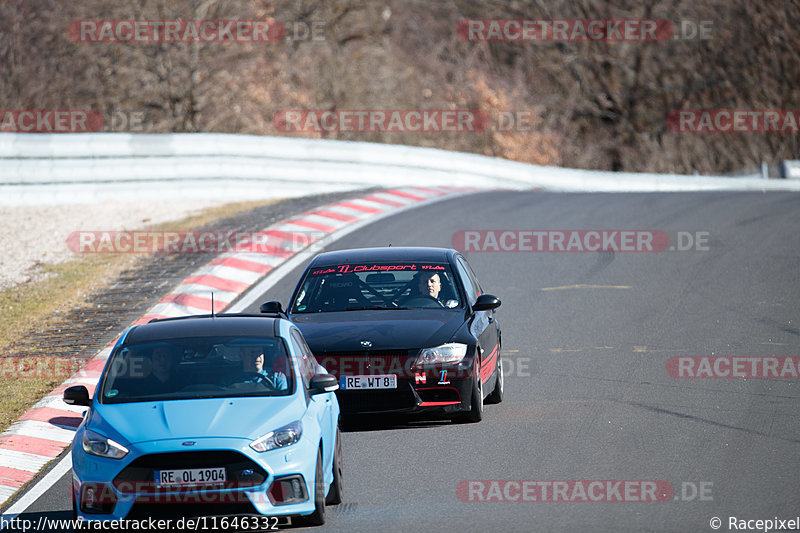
pixel 253 363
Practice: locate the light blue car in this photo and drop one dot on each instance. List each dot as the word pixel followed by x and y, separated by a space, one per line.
pixel 209 417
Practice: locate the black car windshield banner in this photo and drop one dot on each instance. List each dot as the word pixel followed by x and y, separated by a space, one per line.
pixel 376 267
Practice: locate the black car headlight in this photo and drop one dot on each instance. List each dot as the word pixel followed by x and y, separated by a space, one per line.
pixel 452 352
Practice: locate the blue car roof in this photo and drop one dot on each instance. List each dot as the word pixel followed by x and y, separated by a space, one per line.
pixel 204 326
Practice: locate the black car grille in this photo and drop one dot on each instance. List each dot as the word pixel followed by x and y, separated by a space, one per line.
pixel 439 394
pixel 375 401
pixel 363 353
pixel 370 362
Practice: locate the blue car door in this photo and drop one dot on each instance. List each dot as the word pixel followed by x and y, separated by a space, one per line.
pixel 320 406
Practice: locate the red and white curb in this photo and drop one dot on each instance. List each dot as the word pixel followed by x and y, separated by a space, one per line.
pixel 46 429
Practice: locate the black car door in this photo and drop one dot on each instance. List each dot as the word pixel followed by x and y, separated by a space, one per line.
pixel 483 325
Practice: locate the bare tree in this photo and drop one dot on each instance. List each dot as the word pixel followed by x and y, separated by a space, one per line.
pixel 588 104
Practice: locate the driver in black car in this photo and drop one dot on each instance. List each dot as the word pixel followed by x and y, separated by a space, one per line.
pixel 429 285
pixel 253 363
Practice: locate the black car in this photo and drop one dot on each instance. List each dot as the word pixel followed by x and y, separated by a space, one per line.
pixel 406 330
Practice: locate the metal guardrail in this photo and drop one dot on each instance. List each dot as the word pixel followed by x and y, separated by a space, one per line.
pixel 66 168
pixel 790 169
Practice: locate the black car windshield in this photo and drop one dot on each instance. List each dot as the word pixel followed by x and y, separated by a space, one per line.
pixel 366 286
pixel 198 367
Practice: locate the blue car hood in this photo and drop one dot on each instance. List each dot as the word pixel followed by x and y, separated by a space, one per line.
pixel 246 418
pixel 393 329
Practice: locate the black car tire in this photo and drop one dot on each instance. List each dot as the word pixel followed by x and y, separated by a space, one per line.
pixel 317 518
pixel 496 396
pixel 475 414
pixel 335 495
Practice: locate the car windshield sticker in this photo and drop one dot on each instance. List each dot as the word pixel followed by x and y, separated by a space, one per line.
pixel 372 267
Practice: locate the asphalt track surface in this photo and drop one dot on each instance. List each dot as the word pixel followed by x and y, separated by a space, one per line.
pixel 586 339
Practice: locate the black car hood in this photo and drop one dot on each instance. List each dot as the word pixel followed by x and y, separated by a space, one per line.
pixel 392 329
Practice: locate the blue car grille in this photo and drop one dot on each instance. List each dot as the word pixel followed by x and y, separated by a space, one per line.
pixel 241 471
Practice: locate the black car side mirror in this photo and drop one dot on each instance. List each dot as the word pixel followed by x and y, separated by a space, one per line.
pixel 271 307
pixel 486 302
pixel 321 383
pixel 77 395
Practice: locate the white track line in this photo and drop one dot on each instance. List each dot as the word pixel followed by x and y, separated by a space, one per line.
pixel 58 471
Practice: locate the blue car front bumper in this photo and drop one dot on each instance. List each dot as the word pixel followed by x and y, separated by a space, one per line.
pixel 113 489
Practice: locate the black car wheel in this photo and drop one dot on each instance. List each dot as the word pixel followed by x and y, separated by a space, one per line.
pixel 335 494
pixel 496 396
pixel 317 518
pixel 475 414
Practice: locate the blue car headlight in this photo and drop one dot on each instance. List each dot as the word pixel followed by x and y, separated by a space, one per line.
pixel 280 438
pixel 452 352
pixel 97 444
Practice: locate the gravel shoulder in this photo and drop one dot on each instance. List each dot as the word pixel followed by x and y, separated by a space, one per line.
pixel 31 236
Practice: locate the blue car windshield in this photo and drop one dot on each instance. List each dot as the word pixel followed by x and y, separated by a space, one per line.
pixel 198 367
pixel 366 286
